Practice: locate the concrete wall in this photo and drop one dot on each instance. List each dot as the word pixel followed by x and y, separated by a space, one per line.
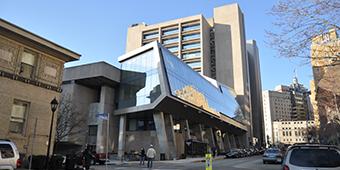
pixel 135 140
pixel 231 16
pixel 255 90
pixel 205 49
pixel 81 97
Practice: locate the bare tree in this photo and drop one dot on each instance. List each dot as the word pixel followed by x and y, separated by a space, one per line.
pixel 298 22
pixel 69 121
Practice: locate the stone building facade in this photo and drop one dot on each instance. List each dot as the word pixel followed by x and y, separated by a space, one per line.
pixel 31 70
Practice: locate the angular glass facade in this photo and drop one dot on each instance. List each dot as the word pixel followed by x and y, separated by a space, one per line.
pixel 140 83
pixel 191 87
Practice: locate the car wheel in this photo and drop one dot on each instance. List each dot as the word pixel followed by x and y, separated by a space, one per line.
pixel 264 162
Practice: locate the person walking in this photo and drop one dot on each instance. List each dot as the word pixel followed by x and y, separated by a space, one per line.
pixel 142 156
pixel 87 157
pixel 151 154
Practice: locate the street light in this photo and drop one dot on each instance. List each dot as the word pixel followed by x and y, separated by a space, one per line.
pixel 54 104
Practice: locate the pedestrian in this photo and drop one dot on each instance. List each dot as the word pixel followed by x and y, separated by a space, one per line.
pixel 142 156
pixel 86 158
pixel 150 154
pixel 214 149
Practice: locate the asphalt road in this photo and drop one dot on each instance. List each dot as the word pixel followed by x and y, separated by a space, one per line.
pixel 249 163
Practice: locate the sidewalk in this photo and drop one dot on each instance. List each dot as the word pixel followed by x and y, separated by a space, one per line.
pixel 179 161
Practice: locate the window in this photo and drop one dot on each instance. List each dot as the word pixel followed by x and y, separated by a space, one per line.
pixel 192 55
pixel 6 151
pixel 310 157
pixel 140 84
pixel 27 64
pixel 170 31
pixel 18 115
pixel 191 27
pixel 191 36
pixel 173 49
pixel 93 130
pixel 140 125
pixel 195 64
pixel 283 133
pixel 171 40
pixel 150 35
pixel 190 46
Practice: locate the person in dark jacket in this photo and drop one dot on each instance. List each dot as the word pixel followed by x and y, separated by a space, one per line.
pixel 87 157
pixel 142 156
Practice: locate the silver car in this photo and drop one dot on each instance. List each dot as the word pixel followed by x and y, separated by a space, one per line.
pixel 9 155
pixel 272 155
pixel 311 157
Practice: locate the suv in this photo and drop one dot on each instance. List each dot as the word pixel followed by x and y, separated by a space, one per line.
pixel 312 156
pixel 9 155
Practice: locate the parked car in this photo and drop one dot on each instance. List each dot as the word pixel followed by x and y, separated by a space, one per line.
pixel 9 155
pixel 233 153
pixel 272 155
pixel 312 156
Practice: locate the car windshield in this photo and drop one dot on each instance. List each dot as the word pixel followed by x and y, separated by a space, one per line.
pixel 272 151
pixel 315 158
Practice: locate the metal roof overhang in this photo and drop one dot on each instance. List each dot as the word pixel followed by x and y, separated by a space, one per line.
pixel 180 110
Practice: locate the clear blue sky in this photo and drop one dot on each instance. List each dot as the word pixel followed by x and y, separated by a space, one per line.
pixel 97 29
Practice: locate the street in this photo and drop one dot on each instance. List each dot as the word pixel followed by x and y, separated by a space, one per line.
pixel 251 163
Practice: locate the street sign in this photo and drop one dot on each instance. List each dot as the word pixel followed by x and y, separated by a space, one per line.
pixel 103 116
pixel 208 161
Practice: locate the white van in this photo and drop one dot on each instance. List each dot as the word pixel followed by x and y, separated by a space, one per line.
pixel 9 155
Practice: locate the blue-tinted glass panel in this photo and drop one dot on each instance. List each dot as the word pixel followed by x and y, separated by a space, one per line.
pixel 191 27
pixel 173 49
pixel 193 45
pixel 171 31
pixel 139 80
pixel 192 55
pixel 194 64
pixel 191 36
pixel 197 90
pixel 151 35
pixel 171 40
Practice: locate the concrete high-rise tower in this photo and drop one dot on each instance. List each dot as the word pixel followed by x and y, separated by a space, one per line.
pixel 214 47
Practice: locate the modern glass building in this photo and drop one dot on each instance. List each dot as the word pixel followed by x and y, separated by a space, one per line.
pixel 164 102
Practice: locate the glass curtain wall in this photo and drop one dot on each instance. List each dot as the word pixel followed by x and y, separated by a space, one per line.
pixel 140 83
pixel 191 87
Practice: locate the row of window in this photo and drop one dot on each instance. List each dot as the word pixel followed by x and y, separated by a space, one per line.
pixel 28 60
pixel 195 54
pixel 171 31
pixel 289 133
pixel 295 140
pixel 184 37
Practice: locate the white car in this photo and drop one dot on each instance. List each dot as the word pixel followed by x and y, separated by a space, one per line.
pixel 9 155
pixel 312 157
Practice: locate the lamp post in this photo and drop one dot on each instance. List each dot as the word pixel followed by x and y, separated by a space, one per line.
pixel 54 105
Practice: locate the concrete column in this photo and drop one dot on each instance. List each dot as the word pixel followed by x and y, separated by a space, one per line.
pixel 185 129
pixel 188 135
pixel 161 133
pixel 210 136
pixel 121 136
pixel 169 128
pixel 232 141
pixel 106 105
pixel 226 142
pixel 219 141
